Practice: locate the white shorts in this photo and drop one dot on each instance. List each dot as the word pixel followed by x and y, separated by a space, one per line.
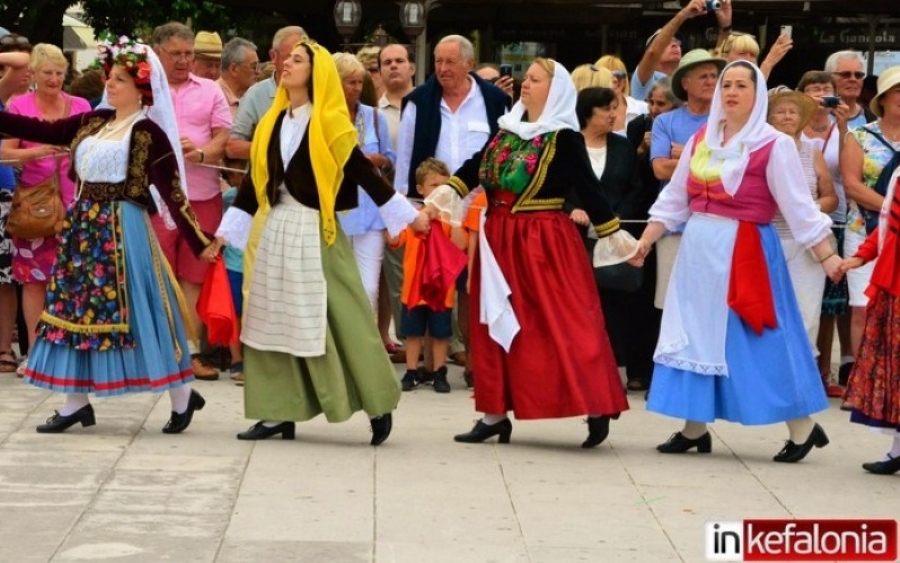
pixel 857 279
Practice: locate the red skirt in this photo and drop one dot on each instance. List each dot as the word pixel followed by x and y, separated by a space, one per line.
pixel 873 389
pixel 560 363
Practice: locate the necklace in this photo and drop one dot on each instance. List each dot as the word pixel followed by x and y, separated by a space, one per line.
pixel 112 128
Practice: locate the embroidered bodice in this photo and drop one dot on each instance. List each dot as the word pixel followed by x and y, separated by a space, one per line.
pixel 102 160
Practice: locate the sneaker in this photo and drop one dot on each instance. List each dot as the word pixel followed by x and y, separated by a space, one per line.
pixel 439 381
pixel 423 376
pixel 409 381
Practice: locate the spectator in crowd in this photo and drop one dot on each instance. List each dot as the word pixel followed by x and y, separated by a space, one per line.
pixel 694 83
pixel 874 387
pixel 743 46
pixel 663 49
pixel 846 68
pixel 368 57
pixel 631 318
pixel 591 76
pixel 734 347
pixel 826 129
pixel 789 112
pixel 305 350
pixel 112 324
pixel 12 66
pixel 89 85
pixel 207 55
pixel 866 152
pixel 258 98
pixel 529 307
pixel 238 71
pixel 204 120
pixel 627 108
pixel 397 68
pixel 32 263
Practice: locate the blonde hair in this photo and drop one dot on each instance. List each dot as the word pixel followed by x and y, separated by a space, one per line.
pixel 347 64
pixel 430 165
pixel 590 76
pixel 739 42
pixel 613 63
pixel 368 55
pixel 546 64
pixel 44 53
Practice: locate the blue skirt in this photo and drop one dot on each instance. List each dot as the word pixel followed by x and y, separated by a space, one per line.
pixel 771 378
pixel 155 356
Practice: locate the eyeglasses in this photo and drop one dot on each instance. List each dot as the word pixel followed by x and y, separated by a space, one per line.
pixel 372 69
pixel 14 40
pixel 820 89
pixel 848 74
pixel 178 56
pixel 618 74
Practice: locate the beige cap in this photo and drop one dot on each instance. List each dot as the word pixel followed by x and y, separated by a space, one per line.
pixel 208 44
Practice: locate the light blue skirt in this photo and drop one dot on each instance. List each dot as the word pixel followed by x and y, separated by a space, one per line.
pixel 771 378
pixel 159 359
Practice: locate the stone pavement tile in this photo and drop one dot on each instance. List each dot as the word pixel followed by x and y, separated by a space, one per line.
pixel 456 551
pixel 247 551
pixel 31 532
pixel 643 554
pixel 148 547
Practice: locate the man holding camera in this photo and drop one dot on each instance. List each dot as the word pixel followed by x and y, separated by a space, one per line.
pixel 663 50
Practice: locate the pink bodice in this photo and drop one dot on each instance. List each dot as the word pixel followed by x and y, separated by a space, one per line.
pixel 751 202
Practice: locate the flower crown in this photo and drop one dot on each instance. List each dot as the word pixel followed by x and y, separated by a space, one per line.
pixel 131 55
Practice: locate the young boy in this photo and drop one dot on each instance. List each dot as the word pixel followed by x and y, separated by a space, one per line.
pixel 234 265
pixel 418 317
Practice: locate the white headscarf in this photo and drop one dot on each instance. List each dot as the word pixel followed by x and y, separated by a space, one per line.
pixel 734 157
pixel 559 111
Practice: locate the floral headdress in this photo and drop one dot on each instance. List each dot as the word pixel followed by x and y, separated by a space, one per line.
pixel 131 56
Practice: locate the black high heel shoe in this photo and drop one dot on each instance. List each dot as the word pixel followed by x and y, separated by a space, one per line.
pixel 598 430
pixel 678 444
pixel 260 431
pixel 381 428
pixel 888 467
pixel 59 423
pixel 792 453
pixel 481 432
pixel 179 422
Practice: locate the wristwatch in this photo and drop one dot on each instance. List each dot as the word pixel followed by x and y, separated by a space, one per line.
pixel 202 155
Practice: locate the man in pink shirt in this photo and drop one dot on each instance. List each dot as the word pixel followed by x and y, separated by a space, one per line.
pixel 204 121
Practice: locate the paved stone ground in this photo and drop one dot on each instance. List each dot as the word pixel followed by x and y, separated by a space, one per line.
pixel 123 491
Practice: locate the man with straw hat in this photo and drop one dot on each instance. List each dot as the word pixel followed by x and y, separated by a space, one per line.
pixel 207 55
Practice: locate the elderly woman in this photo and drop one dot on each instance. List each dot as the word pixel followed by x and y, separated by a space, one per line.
pixel 113 322
pixel 873 390
pixel 628 108
pixel 826 128
pixel 789 112
pixel 363 226
pixel 865 153
pixel 734 347
pixel 33 259
pixel 528 306
pixel 660 99
pixel 307 350
pixel 739 46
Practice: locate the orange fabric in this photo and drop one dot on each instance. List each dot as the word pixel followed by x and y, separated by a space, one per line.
pixel 749 289
pixel 414 263
pixel 216 308
pixel 471 221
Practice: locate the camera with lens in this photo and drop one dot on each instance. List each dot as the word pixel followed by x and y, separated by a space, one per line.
pixel 830 101
pixel 713 5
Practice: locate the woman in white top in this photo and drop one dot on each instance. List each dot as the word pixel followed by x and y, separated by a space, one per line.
pixel 629 108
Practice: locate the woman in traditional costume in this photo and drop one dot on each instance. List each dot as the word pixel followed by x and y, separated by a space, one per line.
pixel 532 286
pixel 732 343
pixel 113 322
pixel 309 344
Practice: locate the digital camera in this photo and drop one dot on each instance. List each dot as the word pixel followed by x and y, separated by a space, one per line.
pixel 830 101
pixel 713 5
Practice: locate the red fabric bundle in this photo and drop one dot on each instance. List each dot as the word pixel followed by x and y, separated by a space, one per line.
pixel 215 307
pixel 749 289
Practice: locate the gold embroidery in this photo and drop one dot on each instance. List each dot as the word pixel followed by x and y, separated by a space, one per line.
pixel 80 328
pixel 527 201
pixel 461 188
pixel 136 183
pixel 607 228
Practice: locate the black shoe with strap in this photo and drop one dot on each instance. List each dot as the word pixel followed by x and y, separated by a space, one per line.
pixel 381 428
pixel 678 444
pixel 792 453
pixel 481 432
pixel 598 430
pixel 887 467
pixel 260 431
pixel 60 423
pixel 178 423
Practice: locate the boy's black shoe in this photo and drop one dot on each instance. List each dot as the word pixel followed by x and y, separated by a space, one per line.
pixel 408 383
pixel 439 381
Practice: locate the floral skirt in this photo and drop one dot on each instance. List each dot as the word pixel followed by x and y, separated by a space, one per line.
pixel 873 389
pixel 113 322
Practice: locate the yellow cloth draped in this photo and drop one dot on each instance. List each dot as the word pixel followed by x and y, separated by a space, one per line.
pixel 331 138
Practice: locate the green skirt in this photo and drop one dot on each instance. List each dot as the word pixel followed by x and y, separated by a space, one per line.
pixel 354 374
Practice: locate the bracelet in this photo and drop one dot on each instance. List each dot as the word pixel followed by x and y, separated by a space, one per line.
pixel 726 29
pixel 827 257
pixel 202 155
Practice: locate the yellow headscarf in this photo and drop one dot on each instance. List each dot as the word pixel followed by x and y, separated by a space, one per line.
pixel 331 137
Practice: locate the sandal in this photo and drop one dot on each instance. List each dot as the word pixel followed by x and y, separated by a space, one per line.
pixel 8 362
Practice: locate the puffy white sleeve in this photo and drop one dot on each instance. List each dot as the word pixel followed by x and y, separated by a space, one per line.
pixel 397 213
pixel 784 174
pixel 235 227
pixel 451 208
pixel 671 208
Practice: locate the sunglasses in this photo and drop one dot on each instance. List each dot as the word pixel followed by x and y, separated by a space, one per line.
pixel 618 74
pixel 17 40
pixel 847 74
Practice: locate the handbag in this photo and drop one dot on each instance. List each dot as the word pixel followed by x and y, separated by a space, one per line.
pixel 37 211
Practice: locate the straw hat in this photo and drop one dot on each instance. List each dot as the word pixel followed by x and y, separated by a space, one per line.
pixel 804 103
pixel 208 44
pixel 887 80
pixel 689 61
